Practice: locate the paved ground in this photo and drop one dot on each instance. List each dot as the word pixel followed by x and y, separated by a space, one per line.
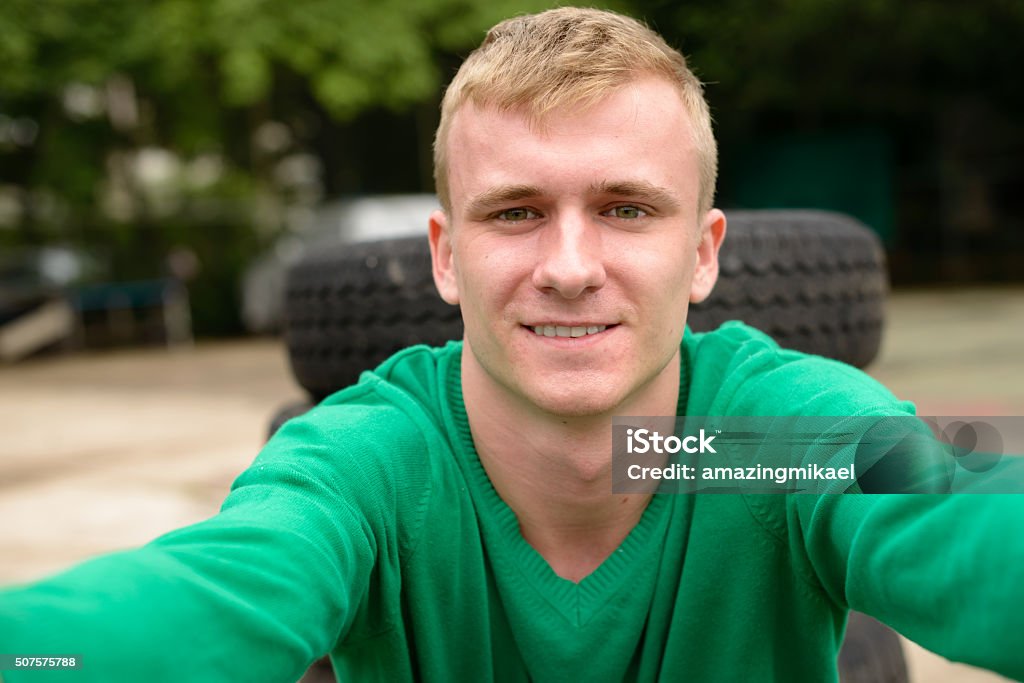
pixel 106 451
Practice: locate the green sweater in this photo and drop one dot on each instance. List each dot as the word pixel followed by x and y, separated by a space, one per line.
pixel 368 529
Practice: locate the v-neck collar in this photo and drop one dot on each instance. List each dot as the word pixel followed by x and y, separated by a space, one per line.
pixel 513 557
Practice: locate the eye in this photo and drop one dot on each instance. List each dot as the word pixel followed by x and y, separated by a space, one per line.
pixel 626 211
pixel 516 215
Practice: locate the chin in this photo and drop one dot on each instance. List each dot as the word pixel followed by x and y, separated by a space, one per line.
pixel 581 401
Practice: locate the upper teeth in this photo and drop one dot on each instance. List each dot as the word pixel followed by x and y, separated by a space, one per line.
pixel 565 331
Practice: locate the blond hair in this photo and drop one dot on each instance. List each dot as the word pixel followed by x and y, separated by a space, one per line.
pixel 571 57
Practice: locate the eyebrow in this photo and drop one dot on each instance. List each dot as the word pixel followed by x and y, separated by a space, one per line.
pixel 496 196
pixel 638 189
pixel 633 189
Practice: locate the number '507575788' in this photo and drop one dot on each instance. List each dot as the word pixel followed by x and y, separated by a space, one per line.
pixel 22 662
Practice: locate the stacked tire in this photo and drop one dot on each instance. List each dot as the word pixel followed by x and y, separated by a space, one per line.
pixel 815 281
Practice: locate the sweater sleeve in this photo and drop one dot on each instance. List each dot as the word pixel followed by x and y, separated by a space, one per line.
pixel 255 593
pixel 943 570
pixel 946 571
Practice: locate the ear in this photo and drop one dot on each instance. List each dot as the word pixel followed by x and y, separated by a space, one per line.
pixel 712 232
pixel 442 258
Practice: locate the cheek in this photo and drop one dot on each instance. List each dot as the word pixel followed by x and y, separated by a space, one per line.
pixel 659 280
pixel 662 270
pixel 486 285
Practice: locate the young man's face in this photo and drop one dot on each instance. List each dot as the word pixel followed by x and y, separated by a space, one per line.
pixel 573 248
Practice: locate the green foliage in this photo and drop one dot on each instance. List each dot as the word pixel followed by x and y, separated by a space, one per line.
pixel 50 43
pixel 207 75
pixel 356 53
pixel 864 56
pixel 202 77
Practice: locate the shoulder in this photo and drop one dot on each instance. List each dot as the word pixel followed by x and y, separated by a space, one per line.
pixel 737 370
pixel 375 446
pixel 397 404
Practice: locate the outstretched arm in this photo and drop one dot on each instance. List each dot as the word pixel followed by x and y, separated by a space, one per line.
pixel 255 593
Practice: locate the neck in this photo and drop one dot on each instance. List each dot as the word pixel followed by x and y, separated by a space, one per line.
pixel 555 471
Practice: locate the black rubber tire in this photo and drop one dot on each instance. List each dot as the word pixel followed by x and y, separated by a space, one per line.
pixel 320 672
pixel 350 307
pixel 871 653
pixel 813 280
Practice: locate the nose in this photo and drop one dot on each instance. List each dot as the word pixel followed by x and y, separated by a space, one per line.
pixel 570 260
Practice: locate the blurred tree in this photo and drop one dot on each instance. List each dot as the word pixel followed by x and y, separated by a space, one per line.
pixel 136 125
pixel 934 84
pixel 122 121
pixel 196 75
pixel 813 58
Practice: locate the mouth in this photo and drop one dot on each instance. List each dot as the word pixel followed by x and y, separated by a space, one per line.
pixel 567 331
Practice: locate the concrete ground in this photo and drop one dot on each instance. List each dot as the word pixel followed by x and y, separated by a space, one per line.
pixel 105 451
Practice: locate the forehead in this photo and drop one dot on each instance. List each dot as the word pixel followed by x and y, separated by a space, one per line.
pixel 640 131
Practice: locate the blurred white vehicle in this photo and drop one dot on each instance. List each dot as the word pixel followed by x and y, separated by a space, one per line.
pixel 341 222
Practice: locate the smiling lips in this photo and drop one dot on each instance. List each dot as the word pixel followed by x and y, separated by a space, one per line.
pixel 566 331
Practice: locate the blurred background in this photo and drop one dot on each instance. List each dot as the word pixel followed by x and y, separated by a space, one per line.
pixel 149 144
pixel 162 162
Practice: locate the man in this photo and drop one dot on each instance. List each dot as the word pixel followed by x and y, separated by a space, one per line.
pixel 451 516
